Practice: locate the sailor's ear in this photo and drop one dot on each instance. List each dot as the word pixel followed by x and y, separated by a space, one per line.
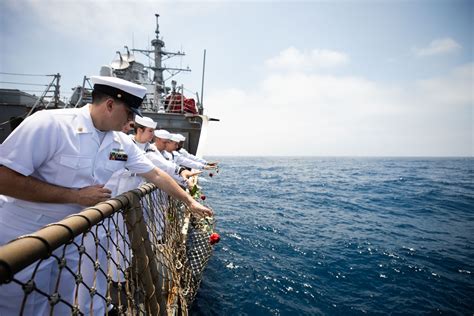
pixel 109 104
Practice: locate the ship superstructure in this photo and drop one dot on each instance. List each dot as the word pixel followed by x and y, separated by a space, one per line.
pixel 165 101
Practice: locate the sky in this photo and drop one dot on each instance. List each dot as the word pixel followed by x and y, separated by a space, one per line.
pixel 299 78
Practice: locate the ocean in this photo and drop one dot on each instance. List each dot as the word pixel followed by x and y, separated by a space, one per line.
pixel 340 236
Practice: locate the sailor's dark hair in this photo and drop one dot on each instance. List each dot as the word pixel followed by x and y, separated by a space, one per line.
pixel 117 94
pixel 99 96
pixel 137 126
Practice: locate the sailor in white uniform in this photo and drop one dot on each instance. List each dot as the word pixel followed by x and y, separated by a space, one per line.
pixel 56 163
pixel 186 154
pixel 180 159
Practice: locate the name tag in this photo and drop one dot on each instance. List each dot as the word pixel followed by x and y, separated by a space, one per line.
pixel 118 154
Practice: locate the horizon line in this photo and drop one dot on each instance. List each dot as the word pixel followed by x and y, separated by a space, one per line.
pixel 340 156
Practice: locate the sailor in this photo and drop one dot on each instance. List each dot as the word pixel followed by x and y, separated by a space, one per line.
pixel 56 163
pixel 186 154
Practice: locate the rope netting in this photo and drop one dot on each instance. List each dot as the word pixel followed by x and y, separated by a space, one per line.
pixel 140 253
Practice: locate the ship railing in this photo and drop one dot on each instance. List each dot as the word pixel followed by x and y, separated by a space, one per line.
pixel 81 94
pixel 140 253
pixel 50 96
pixel 54 84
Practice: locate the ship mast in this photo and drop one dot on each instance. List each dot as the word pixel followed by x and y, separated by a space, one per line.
pixel 158 44
pixel 158 69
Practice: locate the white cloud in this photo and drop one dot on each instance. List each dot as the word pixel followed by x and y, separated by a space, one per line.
pixel 438 46
pixel 293 59
pixel 310 114
pixel 456 87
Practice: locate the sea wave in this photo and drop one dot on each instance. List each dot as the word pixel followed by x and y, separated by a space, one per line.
pixel 332 236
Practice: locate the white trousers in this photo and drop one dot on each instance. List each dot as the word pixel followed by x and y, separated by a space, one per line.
pixel 16 221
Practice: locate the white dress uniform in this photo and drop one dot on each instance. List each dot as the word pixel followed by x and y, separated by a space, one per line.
pixel 186 154
pixel 60 147
pixel 168 166
pixel 167 155
pixel 124 180
pixel 183 161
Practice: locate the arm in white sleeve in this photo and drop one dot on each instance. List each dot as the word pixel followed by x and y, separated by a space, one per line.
pixel 186 154
pixel 183 161
pixel 166 165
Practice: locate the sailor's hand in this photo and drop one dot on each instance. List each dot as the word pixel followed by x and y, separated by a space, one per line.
pixel 209 167
pixel 200 210
pixel 91 195
pixel 213 164
pixel 188 174
pixel 190 183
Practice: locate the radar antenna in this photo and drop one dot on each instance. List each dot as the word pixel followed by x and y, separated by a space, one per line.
pixel 129 57
pixel 120 63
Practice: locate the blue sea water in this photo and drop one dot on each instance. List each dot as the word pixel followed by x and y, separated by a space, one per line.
pixel 341 236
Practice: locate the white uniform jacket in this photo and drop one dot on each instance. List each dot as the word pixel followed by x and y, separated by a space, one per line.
pixel 124 180
pixel 168 166
pixel 183 161
pixel 186 154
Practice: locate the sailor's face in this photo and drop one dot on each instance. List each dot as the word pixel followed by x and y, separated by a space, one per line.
pixel 170 146
pixel 122 114
pixel 160 143
pixel 148 133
